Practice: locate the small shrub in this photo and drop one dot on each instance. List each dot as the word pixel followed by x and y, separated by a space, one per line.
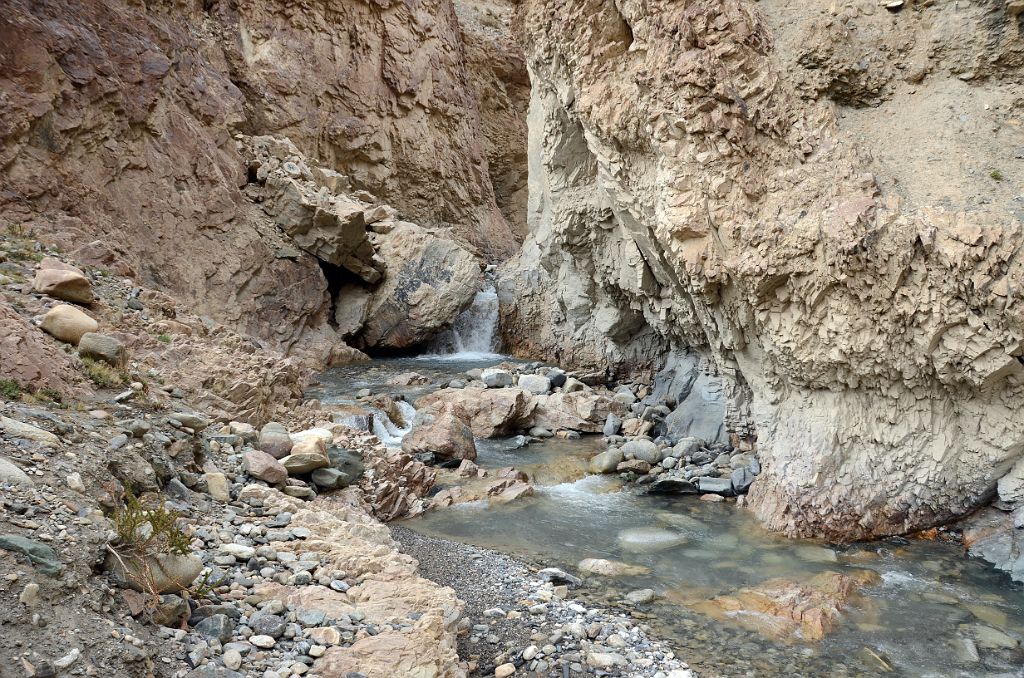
pixel 145 532
pixel 51 394
pixel 164 338
pixel 16 230
pixel 9 389
pixel 102 374
pixel 996 175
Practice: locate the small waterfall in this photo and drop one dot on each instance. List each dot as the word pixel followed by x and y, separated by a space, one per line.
pixel 475 332
pixel 387 431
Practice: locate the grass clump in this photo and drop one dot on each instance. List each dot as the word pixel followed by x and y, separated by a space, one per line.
pixel 164 338
pixel 996 175
pixel 102 374
pixel 9 389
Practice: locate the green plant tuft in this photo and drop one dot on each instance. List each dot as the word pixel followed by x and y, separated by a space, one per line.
pixel 102 374
pixel 164 338
pixel 996 175
pixel 9 389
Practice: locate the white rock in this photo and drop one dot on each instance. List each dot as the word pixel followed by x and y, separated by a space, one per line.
pixel 239 551
pixel 265 642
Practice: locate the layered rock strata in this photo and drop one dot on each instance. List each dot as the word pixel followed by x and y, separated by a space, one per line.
pixel 709 177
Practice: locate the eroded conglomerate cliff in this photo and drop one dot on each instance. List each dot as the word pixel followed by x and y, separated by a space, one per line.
pixel 814 208
pixel 121 127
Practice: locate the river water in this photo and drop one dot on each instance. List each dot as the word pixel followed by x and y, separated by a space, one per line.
pixel 931 612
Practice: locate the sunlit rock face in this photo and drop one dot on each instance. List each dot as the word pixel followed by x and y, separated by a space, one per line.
pixel 708 177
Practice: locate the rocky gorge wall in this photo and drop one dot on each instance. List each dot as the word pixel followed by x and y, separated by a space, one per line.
pixel 120 141
pixel 818 205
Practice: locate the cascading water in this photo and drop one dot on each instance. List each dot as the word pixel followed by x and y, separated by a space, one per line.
pixel 387 431
pixel 474 334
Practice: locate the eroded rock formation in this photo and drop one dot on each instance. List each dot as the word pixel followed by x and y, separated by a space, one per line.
pixel 728 179
pixel 120 129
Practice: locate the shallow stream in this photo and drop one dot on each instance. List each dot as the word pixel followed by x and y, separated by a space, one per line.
pixel 931 611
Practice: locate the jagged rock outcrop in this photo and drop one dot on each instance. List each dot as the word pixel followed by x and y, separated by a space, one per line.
pixel 703 179
pixel 428 281
pixel 117 135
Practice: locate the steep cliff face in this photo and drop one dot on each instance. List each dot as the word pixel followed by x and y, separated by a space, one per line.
pixel 117 129
pixel 820 201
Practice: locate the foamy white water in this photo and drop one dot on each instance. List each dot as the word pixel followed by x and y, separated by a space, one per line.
pixel 474 334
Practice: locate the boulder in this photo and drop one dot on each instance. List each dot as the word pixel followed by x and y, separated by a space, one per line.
pixel 351 305
pixel 741 479
pixel 606 462
pixel 535 383
pixel 428 281
pixel 10 474
pixel 638 466
pixel 492 413
pixel 307 455
pixel 444 432
pixel 584 411
pixel 329 227
pixel 331 478
pixel 102 347
pixel 67 323
pixel 722 486
pixel 274 440
pixel 672 486
pixel 612 425
pixel 264 467
pixel 644 450
pixel 29 358
pixel 494 377
pixel 163 573
pixel 12 428
pixel 61 281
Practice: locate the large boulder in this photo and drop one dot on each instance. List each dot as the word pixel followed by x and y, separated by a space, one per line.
pixel 62 281
pixel 163 573
pixel 329 227
pixel 443 432
pixel 67 323
pixel 102 347
pixel 429 280
pixel 606 462
pixel 584 411
pixel 492 412
pixel 274 440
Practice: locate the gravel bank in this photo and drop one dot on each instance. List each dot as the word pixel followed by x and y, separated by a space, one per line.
pixel 516 617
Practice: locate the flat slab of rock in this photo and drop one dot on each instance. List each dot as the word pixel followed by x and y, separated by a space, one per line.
pixel 13 428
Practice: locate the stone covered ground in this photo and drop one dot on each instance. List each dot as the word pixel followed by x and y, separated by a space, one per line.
pixel 251 550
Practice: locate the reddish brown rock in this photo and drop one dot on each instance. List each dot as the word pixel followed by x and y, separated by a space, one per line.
pixel 33 361
pixel 783 609
pixel 264 467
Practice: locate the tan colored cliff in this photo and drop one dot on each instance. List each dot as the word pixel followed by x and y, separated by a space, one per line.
pixel 822 201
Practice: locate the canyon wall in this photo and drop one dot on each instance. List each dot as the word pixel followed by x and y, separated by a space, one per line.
pixel 120 124
pixel 819 202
